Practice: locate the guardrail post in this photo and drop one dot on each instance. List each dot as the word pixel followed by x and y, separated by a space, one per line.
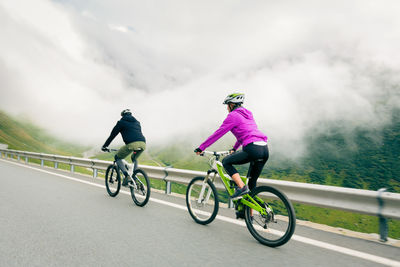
pixel 95 171
pixel 168 186
pixel 55 165
pixel 26 159
pixel 42 162
pixel 72 168
pixel 383 225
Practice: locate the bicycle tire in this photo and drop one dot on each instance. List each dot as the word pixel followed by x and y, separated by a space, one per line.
pixel 210 213
pixel 283 213
pixel 143 189
pixel 113 180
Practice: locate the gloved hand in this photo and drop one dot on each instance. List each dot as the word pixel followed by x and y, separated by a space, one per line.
pixel 198 151
pixel 105 149
pixel 232 151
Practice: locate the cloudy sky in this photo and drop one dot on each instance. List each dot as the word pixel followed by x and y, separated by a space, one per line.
pixel 71 66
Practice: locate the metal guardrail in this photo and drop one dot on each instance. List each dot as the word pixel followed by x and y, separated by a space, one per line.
pixel 377 203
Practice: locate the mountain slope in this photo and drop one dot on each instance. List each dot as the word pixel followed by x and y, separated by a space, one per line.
pixel 367 158
pixel 22 135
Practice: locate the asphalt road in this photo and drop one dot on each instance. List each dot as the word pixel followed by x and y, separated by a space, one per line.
pixel 55 218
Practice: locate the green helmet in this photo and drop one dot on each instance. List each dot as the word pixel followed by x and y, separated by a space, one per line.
pixel 235 98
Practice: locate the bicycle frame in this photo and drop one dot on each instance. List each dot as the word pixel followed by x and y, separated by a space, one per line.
pixel 217 167
pixel 130 167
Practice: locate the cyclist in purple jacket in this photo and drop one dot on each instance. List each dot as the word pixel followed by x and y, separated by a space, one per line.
pixel 241 123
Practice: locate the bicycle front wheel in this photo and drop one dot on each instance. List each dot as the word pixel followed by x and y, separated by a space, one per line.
pixel 140 191
pixel 202 200
pixel 113 180
pixel 276 227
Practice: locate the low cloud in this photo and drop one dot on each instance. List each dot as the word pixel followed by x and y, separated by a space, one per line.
pixel 72 66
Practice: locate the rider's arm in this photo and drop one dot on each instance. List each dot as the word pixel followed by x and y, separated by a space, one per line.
pixel 115 131
pixel 226 126
pixel 237 145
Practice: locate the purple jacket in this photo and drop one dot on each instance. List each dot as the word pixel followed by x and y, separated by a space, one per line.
pixel 241 123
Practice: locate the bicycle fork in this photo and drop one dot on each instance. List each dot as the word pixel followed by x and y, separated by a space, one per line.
pixel 204 187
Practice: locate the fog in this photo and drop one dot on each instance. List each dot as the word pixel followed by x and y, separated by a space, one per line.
pixel 72 66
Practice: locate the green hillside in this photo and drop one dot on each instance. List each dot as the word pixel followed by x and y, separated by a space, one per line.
pixel 365 158
pixel 23 135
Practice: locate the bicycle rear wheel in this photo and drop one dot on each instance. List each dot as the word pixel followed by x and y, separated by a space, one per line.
pixel 202 200
pixel 277 226
pixel 113 180
pixel 140 192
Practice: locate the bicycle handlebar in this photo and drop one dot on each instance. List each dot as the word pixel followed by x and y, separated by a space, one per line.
pixel 110 150
pixel 215 153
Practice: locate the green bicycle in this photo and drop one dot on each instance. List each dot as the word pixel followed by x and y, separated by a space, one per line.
pixel 268 213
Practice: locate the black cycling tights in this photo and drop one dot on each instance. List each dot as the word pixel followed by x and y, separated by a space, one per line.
pixel 255 154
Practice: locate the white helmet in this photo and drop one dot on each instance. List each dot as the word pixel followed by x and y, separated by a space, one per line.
pixel 235 98
pixel 126 112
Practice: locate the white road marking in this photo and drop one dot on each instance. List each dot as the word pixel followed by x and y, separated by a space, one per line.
pixel 313 242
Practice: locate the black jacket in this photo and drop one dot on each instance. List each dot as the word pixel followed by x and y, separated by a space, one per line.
pixel 130 129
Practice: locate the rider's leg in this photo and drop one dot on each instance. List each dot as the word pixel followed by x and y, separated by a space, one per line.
pixel 239 158
pixel 138 148
pixel 236 158
pixel 253 174
pixel 255 171
pixel 121 165
pixel 236 178
pixel 122 153
pixel 258 156
pixel 256 166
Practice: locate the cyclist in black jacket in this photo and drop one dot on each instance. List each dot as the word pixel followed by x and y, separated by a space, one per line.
pixel 131 132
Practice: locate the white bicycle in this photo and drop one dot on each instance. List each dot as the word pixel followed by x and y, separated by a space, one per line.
pixel 139 183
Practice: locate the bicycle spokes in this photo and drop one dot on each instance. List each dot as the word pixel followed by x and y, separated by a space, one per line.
pixel 140 187
pixel 202 200
pixel 273 219
pixel 112 180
